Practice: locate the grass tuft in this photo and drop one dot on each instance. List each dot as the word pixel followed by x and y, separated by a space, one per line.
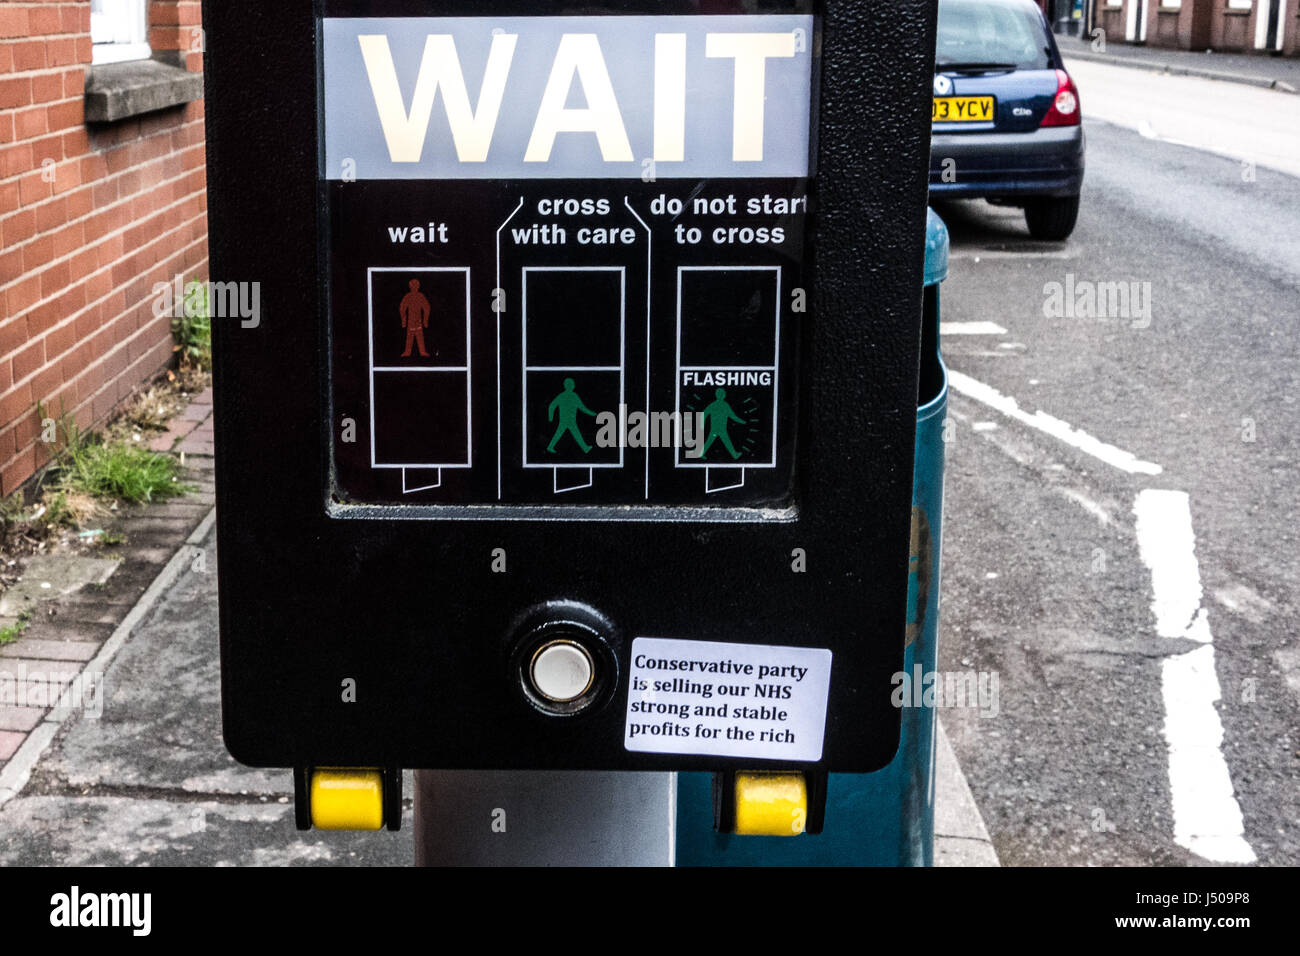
pixel 91 470
pixel 12 632
pixel 120 471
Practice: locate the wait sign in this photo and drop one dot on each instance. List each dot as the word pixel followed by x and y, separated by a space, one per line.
pixel 567 97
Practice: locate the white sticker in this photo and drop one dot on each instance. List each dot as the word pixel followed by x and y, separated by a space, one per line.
pixel 727 700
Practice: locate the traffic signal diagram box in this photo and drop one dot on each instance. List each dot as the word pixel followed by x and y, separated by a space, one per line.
pixel 574 427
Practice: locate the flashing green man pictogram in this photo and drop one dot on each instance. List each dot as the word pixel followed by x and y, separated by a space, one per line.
pixel 568 404
pixel 718 413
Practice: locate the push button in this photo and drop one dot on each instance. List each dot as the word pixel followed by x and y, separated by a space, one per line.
pixel 771 804
pixel 561 663
pixel 562 671
pixel 347 799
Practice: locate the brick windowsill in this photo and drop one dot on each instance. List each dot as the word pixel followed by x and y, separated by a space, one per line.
pixel 116 91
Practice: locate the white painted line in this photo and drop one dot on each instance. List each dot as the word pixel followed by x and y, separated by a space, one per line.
pixel 1086 503
pixel 1167 545
pixel 978 255
pixel 1049 425
pixel 1207 817
pixel 971 328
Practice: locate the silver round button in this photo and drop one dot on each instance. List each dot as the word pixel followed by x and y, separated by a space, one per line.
pixel 562 671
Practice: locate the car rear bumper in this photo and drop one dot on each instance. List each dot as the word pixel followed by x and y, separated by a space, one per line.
pixel 1041 162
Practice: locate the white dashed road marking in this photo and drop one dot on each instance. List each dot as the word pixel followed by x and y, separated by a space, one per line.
pixel 971 328
pixel 1043 422
pixel 1207 817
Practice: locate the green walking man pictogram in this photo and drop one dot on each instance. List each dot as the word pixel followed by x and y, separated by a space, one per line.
pixel 568 404
pixel 718 414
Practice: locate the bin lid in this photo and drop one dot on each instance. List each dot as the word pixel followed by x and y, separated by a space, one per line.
pixel 936 248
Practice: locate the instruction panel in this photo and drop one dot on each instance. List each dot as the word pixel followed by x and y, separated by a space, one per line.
pixel 727 700
pixel 568 258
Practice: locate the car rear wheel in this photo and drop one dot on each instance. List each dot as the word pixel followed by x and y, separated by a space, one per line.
pixel 1052 218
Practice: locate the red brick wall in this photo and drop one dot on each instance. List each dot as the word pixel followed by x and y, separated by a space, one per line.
pixel 1233 30
pixel 1111 20
pixel 90 219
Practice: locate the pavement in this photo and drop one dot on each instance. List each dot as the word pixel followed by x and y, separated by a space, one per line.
pixel 131 769
pixel 1256 127
pixel 77 604
pixel 1262 70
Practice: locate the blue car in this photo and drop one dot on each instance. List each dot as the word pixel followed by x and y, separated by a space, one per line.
pixel 1006 119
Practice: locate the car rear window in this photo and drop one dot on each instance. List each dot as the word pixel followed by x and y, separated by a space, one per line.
pixel 991 31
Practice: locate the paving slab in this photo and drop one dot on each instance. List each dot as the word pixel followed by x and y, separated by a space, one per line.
pixel 10 741
pixel 65 650
pixel 177 429
pixel 50 575
pixel 20 719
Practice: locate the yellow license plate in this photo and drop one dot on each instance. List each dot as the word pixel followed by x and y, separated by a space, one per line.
pixel 962 109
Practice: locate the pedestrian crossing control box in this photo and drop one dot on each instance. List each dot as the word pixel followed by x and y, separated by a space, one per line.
pixel 576 428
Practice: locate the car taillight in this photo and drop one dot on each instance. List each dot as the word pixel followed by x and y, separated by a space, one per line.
pixel 1065 104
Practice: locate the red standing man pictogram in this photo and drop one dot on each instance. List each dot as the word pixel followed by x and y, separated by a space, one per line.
pixel 415 318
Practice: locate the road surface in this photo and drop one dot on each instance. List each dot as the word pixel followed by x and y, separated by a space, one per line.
pixel 1120 539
